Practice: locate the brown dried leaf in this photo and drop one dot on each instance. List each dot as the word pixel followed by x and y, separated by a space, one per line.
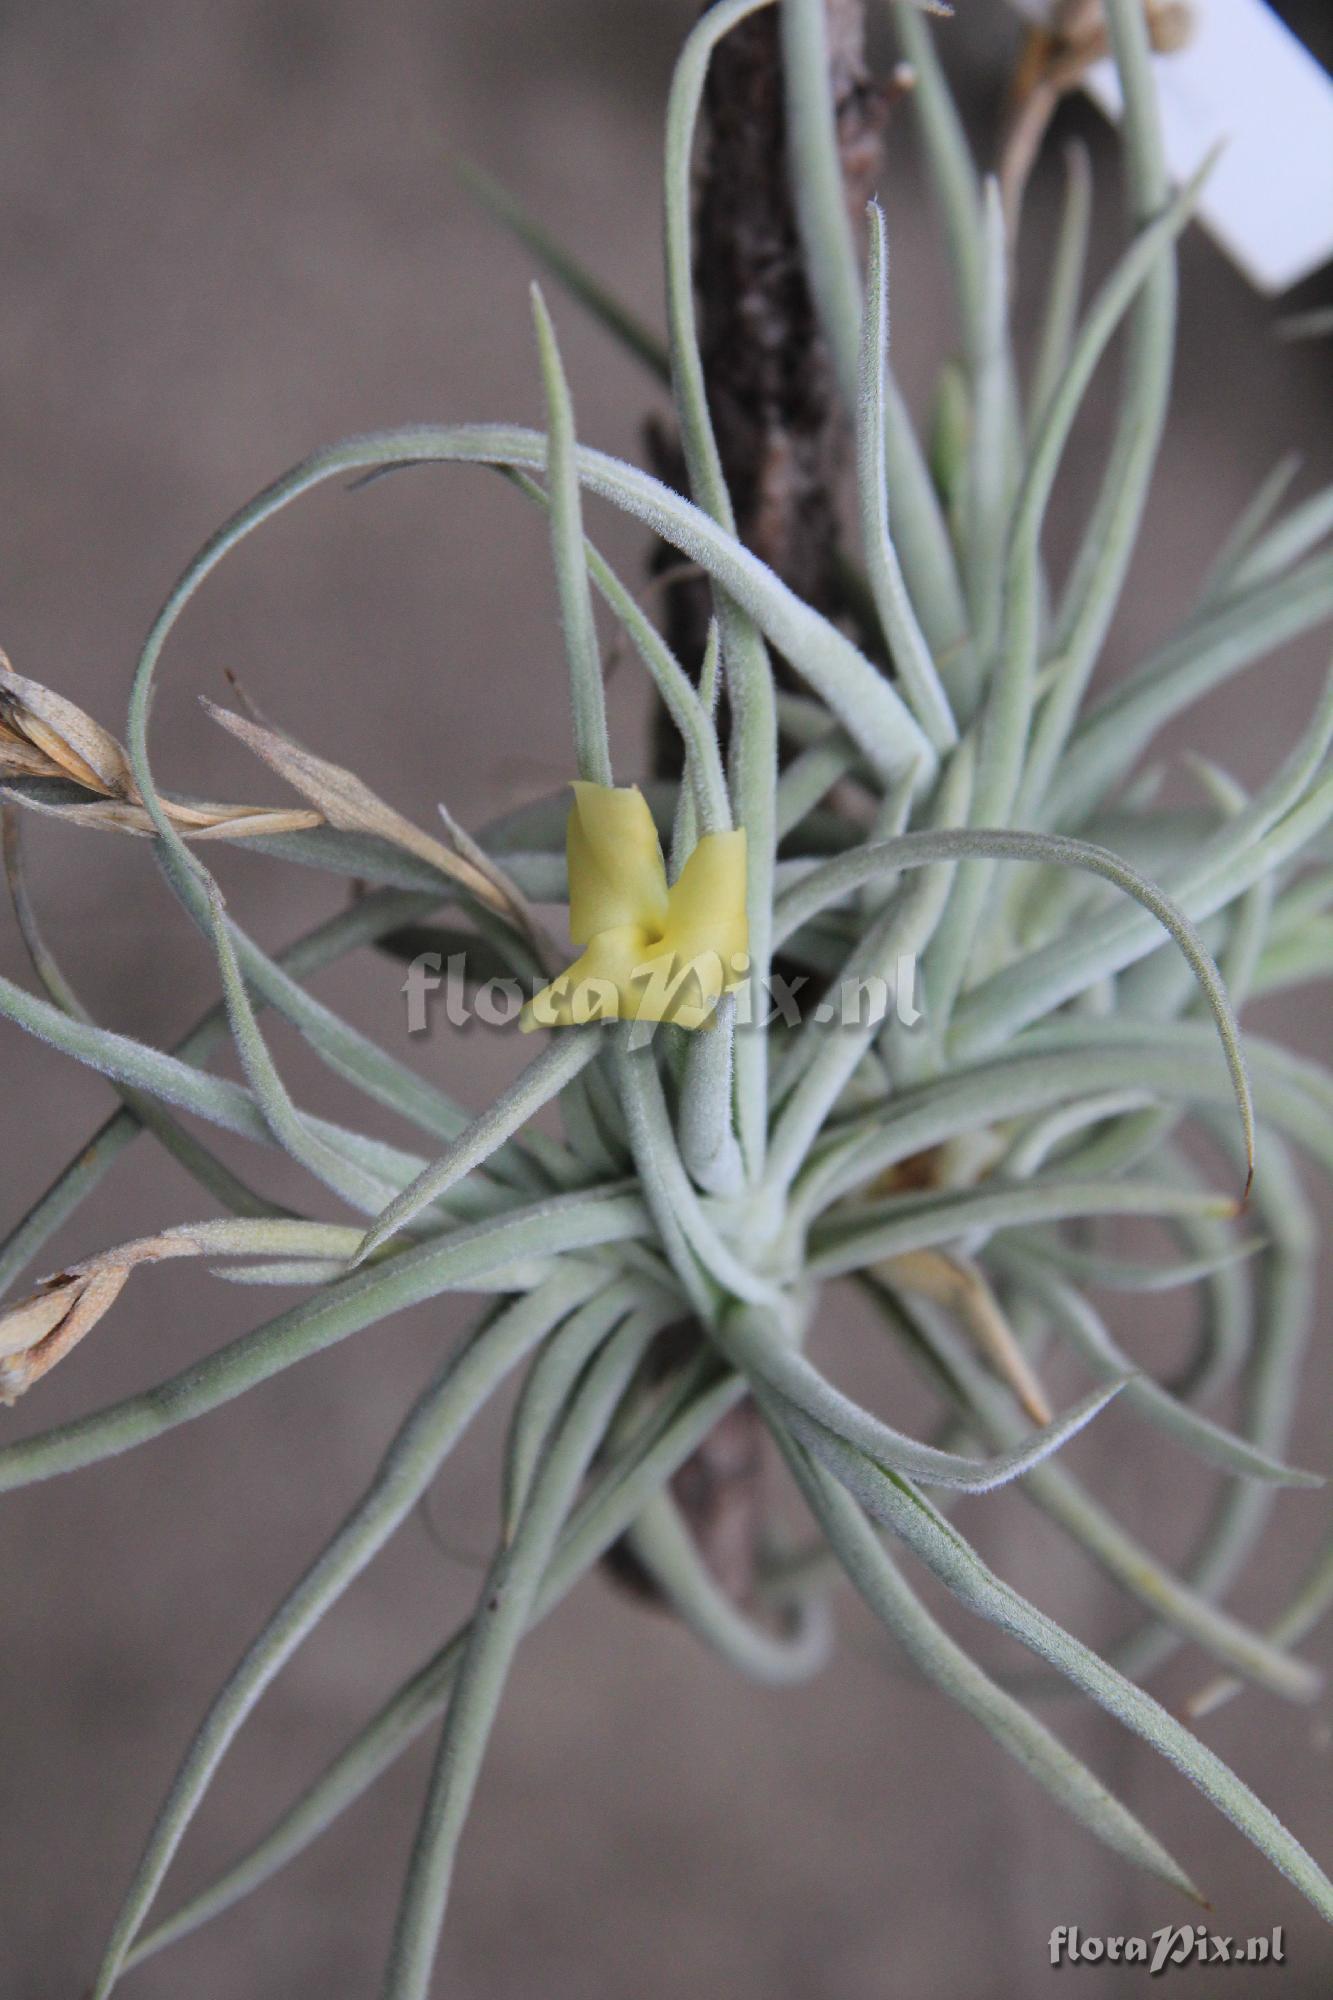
pixel 349 804
pixel 470 851
pixel 28 1323
pixel 21 759
pixel 249 822
pixel 43 1328
pixel 960 1286
pixel 75 745
pixel 42 735
pixel 194 822
pixel 1056 56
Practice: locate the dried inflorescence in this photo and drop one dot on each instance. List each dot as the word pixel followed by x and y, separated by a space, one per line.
pixel 44 736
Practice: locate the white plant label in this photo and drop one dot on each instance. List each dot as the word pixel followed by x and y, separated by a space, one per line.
pixel 1244 79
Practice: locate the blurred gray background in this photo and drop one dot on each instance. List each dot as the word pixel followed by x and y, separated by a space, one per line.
pixel 229 232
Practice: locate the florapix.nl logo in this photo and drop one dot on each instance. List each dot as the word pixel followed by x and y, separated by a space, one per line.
pixel 1173 1945
pixel 444 986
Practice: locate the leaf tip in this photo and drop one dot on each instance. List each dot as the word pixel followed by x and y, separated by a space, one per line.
pixel 367 1247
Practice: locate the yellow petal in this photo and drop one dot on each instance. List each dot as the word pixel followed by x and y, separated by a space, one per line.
pixel 650 954
pixel 626 976
pixel 684 990
pixel 706 906
pixel 703 953
pixel 598 986
pixel 617 876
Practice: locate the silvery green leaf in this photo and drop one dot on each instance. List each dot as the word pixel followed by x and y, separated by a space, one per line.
pixel 424 1440
pixel 949 1557
pixel 556 1229
pixel 956 1674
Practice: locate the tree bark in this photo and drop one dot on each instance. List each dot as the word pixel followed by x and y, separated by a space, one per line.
pixel 780 432
pixel 782 438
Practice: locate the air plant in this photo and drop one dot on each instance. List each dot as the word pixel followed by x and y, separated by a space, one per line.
pixel 931 783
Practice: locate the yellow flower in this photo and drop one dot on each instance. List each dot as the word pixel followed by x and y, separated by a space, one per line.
pixel 650 953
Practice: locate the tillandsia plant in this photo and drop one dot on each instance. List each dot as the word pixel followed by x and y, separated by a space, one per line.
pixel 916 780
